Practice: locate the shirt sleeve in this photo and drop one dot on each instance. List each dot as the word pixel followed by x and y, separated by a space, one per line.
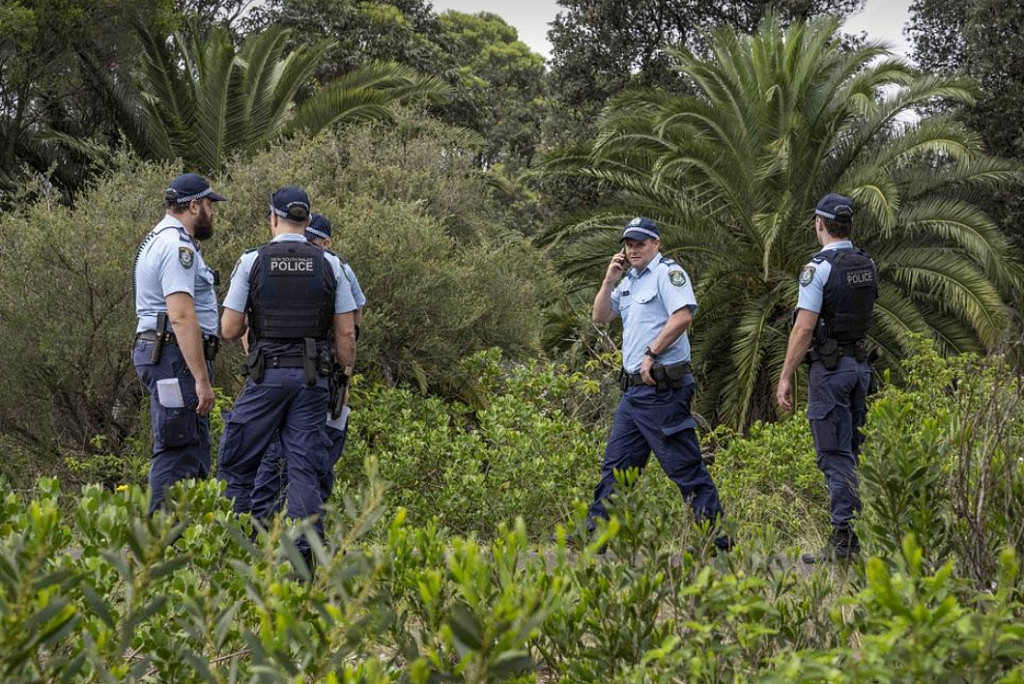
pixel 238 291
pixel 615 297
pixel 357 292
pixel 178 264
pixel 344 302
pixel 812 286
pixel 676 289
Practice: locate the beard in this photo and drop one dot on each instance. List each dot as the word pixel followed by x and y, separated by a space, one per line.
pixel 202 228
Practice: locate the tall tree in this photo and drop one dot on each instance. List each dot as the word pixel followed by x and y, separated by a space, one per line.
pixel 983 39
pixel 499 86
pixel 201 102
pixel 732 174
pixel 48 115
pixel 600 47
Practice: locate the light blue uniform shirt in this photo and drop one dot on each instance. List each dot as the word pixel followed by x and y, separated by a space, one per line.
pixel 169 261
pixel 645 301
pixel 357 292
pixel 238 292
pixel 814 276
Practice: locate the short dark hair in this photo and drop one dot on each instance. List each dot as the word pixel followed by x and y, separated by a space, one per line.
pixel 176 207
pixel 836 228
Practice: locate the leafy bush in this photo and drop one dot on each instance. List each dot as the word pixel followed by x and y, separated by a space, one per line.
pixel 942 462
pixel 192 595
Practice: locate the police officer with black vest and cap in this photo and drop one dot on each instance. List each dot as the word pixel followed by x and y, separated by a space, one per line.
pixel 838 288
pixel 176 336
pixel 300 323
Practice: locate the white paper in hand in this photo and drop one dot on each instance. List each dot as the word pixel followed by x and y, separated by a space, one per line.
pixel 341 421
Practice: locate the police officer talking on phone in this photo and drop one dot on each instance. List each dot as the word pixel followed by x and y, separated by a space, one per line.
pixel 656 302
pixel 838 288
pixel 176 336
pixel 300 322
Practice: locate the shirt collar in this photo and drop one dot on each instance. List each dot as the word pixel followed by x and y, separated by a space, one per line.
pixel 290 237
pixel 839 244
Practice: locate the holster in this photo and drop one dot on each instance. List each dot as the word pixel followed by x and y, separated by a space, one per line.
pixel 827 352
pixel 337 382
pixel 309 360
pixel 669 377
pixel 256 363
pixel 158 344
pixel 211 345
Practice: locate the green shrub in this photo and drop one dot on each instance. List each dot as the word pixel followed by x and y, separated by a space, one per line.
pixel 942 462
pixel 193 596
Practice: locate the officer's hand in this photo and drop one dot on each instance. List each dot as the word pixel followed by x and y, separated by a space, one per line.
pixel 782 393
pixel 206 397
pixel 616 267
pixel 646 366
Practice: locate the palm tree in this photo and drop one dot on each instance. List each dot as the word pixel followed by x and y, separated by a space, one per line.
pixel 732 174
pixel 200 101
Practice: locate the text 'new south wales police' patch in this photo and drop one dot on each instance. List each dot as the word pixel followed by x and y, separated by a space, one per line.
pixel 677 278
pixel 807 275
pixel 186 256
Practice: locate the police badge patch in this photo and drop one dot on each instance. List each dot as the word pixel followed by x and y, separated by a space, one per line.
pixel 677 278
pixel 186 256
pixel 806 275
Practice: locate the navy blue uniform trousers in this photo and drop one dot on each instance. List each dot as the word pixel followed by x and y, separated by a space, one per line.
pixel 181 437
pixel 268 494
pixel 282 403
pixel 647 420
pixel 836 409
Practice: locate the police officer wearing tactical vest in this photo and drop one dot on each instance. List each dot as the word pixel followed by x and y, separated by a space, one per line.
pixel 300 318
pixel 272 478
pixel 176 336
pixel 656 302
pixel 838 288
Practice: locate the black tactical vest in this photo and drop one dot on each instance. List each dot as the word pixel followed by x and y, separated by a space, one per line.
pixel 850 294
pixel 291 294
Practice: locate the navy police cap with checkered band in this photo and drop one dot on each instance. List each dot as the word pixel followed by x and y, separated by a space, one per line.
pixel 640 228
pixel 190 186
pixel 290 202
pixel 835 208
pixel 319 227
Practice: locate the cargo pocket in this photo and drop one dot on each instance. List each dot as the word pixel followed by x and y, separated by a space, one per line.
pixel 685 424
pixel 176 428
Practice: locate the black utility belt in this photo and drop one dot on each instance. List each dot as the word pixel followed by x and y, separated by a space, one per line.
pixel 671 376
pixel 211 343
pixel 830 351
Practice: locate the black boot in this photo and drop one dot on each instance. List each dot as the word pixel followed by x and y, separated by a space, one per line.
pixel 842 547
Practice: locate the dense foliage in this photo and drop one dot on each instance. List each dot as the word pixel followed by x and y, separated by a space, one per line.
pixel 452 588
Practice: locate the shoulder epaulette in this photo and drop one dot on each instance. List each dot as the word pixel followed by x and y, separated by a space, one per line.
pixel 817 259
pixel 667 261
pixel 336 255
pixel 251 249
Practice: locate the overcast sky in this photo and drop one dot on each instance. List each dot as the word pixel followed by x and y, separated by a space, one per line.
pixel 882 19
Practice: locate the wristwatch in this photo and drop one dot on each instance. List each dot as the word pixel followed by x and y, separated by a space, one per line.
pixel 648 352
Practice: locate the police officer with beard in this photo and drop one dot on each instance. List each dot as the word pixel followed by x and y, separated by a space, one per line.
pixel 838 288
pixel 176 336
pixel 300 321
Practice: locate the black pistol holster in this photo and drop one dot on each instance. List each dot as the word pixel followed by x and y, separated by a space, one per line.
pixel 670 376
pixel 161 337
pixel 256 364
pixel 337 383
pixel 211 345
